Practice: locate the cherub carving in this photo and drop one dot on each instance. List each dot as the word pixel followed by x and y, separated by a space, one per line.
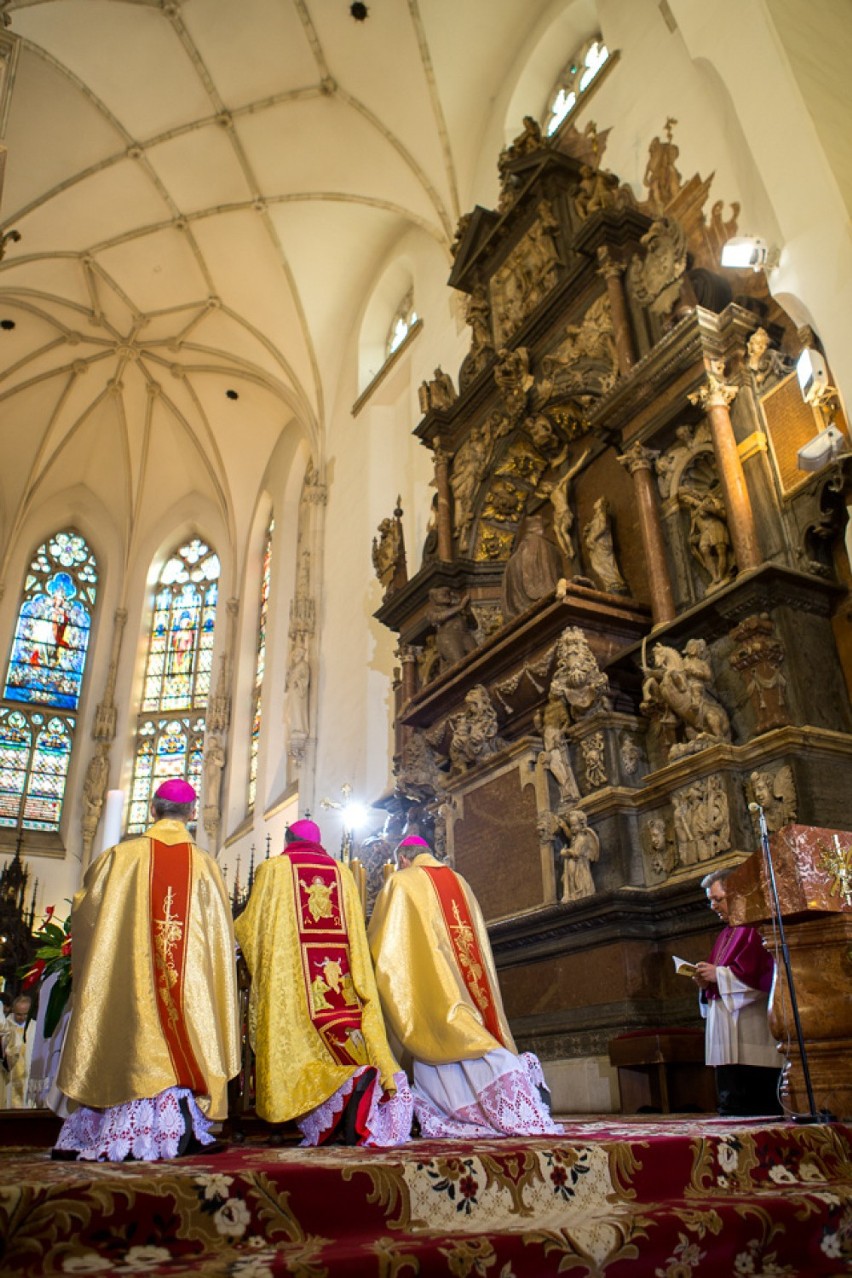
pixel 776 794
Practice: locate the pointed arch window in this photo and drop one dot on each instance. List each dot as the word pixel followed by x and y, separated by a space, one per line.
pixel 44 680
pixel 260 663
pixel 404 319
pixel 176 687
pixel 582 71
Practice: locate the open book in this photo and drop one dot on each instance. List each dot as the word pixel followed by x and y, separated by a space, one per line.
pixel 682 967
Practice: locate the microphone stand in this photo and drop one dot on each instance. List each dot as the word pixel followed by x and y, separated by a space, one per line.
pixel 812 1116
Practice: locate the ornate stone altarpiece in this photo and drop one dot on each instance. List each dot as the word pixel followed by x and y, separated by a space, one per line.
pixel 624 592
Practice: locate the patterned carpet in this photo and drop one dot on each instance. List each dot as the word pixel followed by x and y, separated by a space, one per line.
pixel 668 1199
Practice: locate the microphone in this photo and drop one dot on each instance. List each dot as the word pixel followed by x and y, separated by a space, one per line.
pixel 755 807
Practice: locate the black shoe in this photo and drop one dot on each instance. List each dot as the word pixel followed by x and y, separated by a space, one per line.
pixel 64 1155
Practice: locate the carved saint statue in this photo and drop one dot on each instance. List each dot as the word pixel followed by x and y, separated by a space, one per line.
pixel 297 688
pixel 94 790
pixel 597 539
pixel 582 851
pixel 709 539
pixel 439 393
pixel 214 762
pixel 469 466
pixel 387 550
pixel 449 613
pixel 680 685
pixel 552 722
pixel 776 794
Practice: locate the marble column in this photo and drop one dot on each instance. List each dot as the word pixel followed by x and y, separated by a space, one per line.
pixel 612 270
pixel 639 461
pixel 407 654
pixel 714 397
pixel 445 517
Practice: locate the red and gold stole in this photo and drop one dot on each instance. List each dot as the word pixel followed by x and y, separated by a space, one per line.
pixel 333 1003
pixel 459 924
pixel 170 897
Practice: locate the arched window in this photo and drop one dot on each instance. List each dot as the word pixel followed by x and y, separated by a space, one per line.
pixel 43 682
pixel 405 317
pixel 170 732
pixel 585 66
pixel 260 663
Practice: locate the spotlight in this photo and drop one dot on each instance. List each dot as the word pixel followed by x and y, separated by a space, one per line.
pixel 749 250
pixel 825 447
pixel 813 375
pixel 359 11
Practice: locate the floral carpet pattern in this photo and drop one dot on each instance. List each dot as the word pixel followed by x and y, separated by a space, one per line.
pixel 669 1199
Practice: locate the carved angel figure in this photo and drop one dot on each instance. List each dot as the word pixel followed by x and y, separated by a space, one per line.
pixel 776 794
pixel 579 856
pixel 449 613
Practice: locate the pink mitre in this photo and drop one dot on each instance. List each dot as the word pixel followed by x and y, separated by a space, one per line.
pixel 414 841
pixel 176 790
pixel 307 831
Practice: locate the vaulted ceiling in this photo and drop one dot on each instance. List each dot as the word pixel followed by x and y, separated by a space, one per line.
pixel 203 191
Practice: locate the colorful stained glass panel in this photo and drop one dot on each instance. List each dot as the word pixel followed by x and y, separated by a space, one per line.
pixel 166 748
pixel 180 652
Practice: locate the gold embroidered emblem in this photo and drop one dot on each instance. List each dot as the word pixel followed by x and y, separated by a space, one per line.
pixel 466 943
pixel 319 893
pixel 168 933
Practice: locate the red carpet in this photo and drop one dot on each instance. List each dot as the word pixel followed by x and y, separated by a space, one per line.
pixel 668 1199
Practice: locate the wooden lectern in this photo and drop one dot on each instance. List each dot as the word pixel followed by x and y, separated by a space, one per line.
pixel 813 871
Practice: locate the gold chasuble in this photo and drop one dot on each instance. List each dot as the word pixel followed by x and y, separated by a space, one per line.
pixel 434 966
pixel 155 998
pixel 314 1014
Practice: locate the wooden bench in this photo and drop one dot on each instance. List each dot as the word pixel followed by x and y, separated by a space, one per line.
pixel 663 1071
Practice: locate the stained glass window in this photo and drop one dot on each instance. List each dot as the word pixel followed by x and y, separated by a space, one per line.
pixel 260 664
pixel 180 654
pixel 44 681
pixel 52 635
pixel 177 676
pixel 166 747
pixel 583 68
pixel 401 325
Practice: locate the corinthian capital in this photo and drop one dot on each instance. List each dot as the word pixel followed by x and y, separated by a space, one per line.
pixel 638 457
pixel 608 264
pixel 716 392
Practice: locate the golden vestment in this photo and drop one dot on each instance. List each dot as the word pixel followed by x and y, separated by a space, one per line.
pixel 115 1050
pixel 294 981
pixel 425 997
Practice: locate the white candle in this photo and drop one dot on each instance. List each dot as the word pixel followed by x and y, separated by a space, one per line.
pixel 113 812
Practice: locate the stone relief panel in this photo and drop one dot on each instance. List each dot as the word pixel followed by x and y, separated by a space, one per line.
pixel 527 275
pixel 702 823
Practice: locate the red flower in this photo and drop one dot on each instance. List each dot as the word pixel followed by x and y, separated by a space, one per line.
pixel 49 912
pixel 66 947
pixel 33 976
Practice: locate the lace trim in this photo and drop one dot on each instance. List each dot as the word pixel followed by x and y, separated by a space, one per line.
pixel 388 1118
pixel 509 1106
pixel 146 1130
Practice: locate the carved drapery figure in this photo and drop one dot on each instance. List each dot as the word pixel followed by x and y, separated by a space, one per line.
pixel 389 553
pixel 214 762
pixel 478 317
pixel 661 175
pixel 776 794
pixel 438 393
pixel 709 539
pixel 475 731
pixel 577 678
pixel 582 852
pixel 679 686
pixel 533 568
pixel 297 689
pixel 449 613
pixel 597 539
pixel 598 189
pixel 469 465
pixel 94 792
pixel 514 379
pixel 552 722
pixel 593 750
pixel 701 820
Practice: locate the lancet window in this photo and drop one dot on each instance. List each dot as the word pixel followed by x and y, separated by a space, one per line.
pixel 405 317
pixel 577 78
pixel 260 664
pixel 44 681
pixel 176 686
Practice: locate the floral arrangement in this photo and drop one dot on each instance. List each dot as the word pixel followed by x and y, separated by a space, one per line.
pixel 52 956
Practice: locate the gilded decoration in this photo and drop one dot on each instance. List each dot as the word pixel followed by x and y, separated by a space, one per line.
pixel 837 863
pixel 527 275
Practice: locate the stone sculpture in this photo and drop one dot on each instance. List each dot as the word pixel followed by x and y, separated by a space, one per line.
pixel 676 693
pixel 577 678
pixel 475 734
pixel 449 613
pixel 597 539
pixel 554 755
pixel 582 852
pixel 776 794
